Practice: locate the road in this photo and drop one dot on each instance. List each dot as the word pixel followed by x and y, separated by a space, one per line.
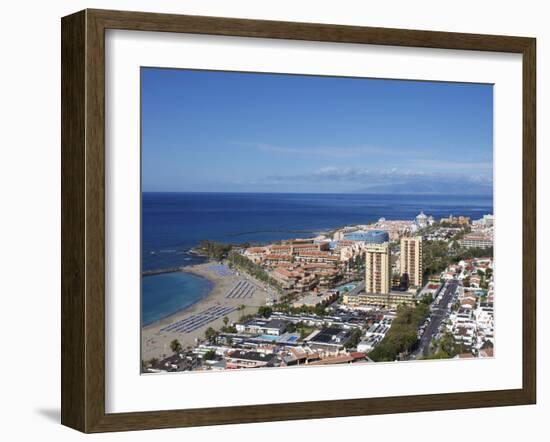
pixel 438 315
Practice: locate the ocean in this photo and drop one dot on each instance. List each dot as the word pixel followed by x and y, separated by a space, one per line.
pixel 172 223
pixel 168 293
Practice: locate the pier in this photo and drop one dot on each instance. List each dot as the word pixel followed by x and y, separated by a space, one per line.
pixel 161 271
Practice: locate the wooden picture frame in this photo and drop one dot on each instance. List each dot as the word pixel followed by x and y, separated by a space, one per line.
pixel 83 220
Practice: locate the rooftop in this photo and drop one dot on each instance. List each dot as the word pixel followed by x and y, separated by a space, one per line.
pixel 331 335
pixel 252 356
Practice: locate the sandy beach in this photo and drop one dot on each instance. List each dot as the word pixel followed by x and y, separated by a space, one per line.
pixel 155 342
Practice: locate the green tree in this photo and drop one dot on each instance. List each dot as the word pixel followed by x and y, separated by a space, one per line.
pixel 291 327
pixel 210 334
pixel 175 346
pixel 229 329
pixel 402 336
pixel 305 331
pixel 265 311
pixel 245 318
pixel 246 265
pixel 214 250
pixel 447 343
pixel 320 310
pixel 446 347
pixel 437 255
pixel 354 339
pixel 427 299
pixel 210 355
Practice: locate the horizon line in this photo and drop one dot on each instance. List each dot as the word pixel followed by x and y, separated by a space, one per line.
pixel 318 193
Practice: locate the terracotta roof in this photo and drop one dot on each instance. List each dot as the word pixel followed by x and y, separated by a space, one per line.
pixel 319 265
pixel 256 249
pixel 315 253
pixel 343 359
pixel 283 247
pixel 357 355
pixel 287 273
pixel 298 354
pixel 273 256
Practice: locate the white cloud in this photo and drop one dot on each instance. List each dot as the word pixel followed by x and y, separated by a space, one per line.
pixel 453 165
pixel 380 176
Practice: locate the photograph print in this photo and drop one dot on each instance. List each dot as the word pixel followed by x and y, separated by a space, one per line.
pixel 303 220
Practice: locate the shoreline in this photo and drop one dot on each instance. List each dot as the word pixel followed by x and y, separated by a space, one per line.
pixel 155 340
pixel 163 319
pixel 192 269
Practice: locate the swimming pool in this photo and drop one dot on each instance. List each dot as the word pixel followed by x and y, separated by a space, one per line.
pixel 346 287
pixel 269 337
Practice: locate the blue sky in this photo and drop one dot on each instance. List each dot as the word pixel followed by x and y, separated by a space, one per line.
pixel 244 132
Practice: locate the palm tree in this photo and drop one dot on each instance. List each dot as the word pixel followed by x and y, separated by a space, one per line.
pixel 175 346
pixel 225 320
pixel 210 334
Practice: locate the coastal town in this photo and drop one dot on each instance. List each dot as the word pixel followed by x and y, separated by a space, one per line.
pixel 391 290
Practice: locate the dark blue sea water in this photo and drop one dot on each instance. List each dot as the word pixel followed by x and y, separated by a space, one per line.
pixel 172 223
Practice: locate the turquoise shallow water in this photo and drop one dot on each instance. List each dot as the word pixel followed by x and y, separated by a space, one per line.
pixel 347 287
pixel 167 293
